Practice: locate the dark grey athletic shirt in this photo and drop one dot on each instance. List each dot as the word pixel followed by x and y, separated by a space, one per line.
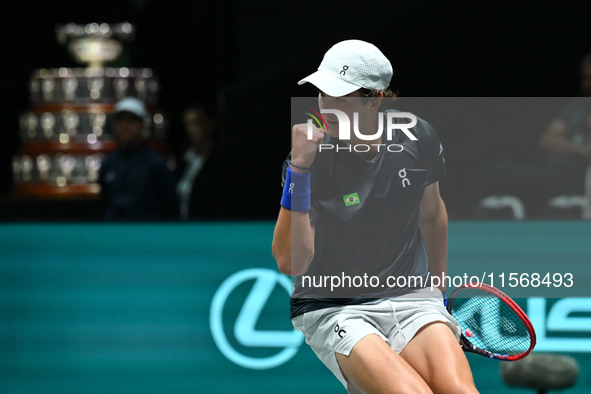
pixel 366 215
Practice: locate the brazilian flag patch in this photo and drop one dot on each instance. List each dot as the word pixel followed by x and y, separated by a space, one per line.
pixel 351 199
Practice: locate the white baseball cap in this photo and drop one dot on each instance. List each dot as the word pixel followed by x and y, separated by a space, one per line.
pixel 132 105
pixel 350 65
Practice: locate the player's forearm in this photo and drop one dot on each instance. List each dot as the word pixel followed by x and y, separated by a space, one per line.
pixel 293 242
pixel 435 234
pixel 561 147
pixel 555 141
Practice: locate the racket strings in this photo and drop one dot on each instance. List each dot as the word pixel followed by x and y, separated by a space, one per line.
pixel 485 336
pixel 490 324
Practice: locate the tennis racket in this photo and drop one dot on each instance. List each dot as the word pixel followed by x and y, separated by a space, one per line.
pixel 492 324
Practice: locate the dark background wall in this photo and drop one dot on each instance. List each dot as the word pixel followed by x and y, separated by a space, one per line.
pixel 246 58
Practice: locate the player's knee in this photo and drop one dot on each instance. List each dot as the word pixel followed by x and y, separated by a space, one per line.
pixel 411 386
pixel 399 388
pixel 461 388
pixel 419 388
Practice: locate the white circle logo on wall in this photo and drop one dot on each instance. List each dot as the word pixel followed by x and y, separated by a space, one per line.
pixel 244 327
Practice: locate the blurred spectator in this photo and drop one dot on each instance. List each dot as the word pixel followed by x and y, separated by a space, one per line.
pixel 135 182
pixel 566 147
pixel 567 139
pixel 199 166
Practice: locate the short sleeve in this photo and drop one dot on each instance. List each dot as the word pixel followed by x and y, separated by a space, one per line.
pixel 432 151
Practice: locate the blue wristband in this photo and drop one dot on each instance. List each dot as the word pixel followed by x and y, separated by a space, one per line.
pixel 296 191
pixel 444 294
pixel 298 167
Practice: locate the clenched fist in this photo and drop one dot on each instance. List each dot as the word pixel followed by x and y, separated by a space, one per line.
pixel 303 150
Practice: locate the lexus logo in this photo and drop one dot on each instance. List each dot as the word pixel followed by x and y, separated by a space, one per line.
pixel 265 281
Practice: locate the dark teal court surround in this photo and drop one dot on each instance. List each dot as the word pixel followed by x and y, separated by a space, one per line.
pixel 101 308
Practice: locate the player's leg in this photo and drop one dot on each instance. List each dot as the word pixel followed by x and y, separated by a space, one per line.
pixel 435 354
pixel 374 367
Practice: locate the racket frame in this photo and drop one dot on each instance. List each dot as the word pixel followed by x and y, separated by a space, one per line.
pixel 465 342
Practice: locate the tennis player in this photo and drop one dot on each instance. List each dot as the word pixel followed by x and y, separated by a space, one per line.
pixel 372 209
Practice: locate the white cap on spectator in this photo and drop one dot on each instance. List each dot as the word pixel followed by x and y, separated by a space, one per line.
pixel 132 105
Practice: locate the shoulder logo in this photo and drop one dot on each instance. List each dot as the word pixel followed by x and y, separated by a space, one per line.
pixel 351 199
pixel 402 174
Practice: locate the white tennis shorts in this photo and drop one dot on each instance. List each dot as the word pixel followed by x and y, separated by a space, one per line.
pixel 395 320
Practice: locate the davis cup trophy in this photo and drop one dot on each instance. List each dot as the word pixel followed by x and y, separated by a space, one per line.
pixel 65 134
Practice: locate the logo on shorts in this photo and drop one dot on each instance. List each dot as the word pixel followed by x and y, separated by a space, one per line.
pixel 351 199
pixel 339 331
